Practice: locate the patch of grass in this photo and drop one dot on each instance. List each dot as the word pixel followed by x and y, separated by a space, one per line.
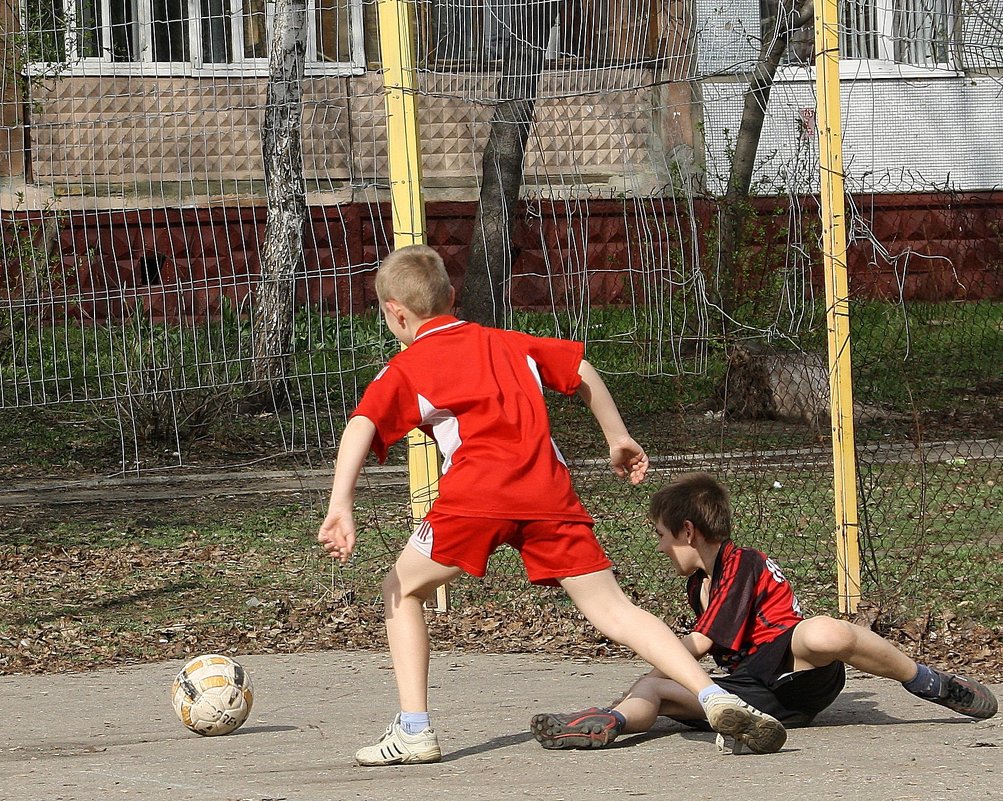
pixel 169 527
pixel 931 369
pixel 130 582
pixel 930 355
pixel 42 440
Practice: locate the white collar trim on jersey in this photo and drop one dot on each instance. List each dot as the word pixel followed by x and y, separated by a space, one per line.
pixel 439 328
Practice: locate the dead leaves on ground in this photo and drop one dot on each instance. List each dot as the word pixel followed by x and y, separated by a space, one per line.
pixel 67 609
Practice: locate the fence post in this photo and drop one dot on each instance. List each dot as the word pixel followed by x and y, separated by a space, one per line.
pixel 837 303
pixel 397 54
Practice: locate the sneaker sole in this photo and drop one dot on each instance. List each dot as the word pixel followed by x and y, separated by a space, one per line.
pixel 407 759
pixel 762 735
pixel 551 733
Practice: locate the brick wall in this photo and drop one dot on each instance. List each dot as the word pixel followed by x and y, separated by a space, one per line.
pixel 179 263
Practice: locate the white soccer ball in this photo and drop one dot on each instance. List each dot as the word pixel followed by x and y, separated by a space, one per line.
pixel 212 695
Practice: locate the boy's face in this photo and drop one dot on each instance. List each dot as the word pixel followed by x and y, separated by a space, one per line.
pixel 685 558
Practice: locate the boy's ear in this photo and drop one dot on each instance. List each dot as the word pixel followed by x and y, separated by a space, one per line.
pixel 395 310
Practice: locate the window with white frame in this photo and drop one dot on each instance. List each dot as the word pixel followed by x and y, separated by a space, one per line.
pixel 586 33
pixel 882 35
pixel 179 36
pixel 912 32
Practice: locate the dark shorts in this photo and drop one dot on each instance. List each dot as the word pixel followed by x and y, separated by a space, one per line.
pixel 765 681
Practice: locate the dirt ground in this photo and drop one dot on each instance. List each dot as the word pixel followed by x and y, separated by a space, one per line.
pixel 112 734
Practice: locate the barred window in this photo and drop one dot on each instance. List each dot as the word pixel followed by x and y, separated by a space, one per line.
pixel 902 33
pixel 191 34
pixel 586 33
pixel 913 32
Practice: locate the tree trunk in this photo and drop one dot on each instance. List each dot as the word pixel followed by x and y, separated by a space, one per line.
pixel 787 16
pixel 489 266
pixel 272 323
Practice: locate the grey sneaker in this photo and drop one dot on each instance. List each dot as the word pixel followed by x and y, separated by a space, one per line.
pixel 966 696
pixel 397 747
pixel 730 716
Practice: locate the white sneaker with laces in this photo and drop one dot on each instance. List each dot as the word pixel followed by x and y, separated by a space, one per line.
pixel 397 747
pixel 730 716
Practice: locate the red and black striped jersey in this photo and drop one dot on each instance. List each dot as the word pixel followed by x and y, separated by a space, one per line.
pixel 749 603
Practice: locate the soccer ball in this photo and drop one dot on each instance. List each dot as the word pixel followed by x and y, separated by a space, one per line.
pixel 212 695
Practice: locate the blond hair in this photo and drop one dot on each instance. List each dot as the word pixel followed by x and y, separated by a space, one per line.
pixel 697 497
pixel 415 277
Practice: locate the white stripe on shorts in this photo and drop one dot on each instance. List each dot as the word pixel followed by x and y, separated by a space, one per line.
pixel 422 538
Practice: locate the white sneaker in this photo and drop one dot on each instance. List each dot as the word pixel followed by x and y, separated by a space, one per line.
pixel 397 747
pixel 730 716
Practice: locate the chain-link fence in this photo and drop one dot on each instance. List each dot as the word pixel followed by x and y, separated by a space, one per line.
pixel 135 206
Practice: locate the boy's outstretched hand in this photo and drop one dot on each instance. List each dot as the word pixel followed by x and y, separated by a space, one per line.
pixel 629 460
pixel 337 533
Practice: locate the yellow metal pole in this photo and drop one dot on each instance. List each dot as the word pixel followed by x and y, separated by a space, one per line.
pixel 408 209
pixel 403 142
pixel 830 139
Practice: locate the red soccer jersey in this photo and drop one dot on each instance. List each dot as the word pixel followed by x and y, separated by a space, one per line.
pixel 749 603
pixel 478 392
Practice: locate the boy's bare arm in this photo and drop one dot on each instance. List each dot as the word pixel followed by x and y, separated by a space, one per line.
pixel 627 457
pixel 337 532
pixel 697 644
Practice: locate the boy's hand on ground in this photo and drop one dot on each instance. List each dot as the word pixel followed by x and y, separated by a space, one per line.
pixel 629 460
pixel 337 533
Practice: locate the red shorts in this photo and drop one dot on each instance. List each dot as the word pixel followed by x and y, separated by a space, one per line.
pixel 550 549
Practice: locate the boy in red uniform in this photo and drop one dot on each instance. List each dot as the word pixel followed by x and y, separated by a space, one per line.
pixel 478 392
pixel 749 621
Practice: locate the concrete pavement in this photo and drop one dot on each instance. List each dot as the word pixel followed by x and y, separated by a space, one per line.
pixel 112 734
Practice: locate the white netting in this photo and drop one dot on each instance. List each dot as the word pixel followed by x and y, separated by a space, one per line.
pixel 134 190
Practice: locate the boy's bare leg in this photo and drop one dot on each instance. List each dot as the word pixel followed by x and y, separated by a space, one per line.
pixel 653 695
pixel 600 599
pixel 821 640
pixel 409 583
pixel 410 738
pixel 650 696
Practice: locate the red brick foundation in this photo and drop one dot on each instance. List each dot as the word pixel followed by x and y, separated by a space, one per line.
pixel 180 263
